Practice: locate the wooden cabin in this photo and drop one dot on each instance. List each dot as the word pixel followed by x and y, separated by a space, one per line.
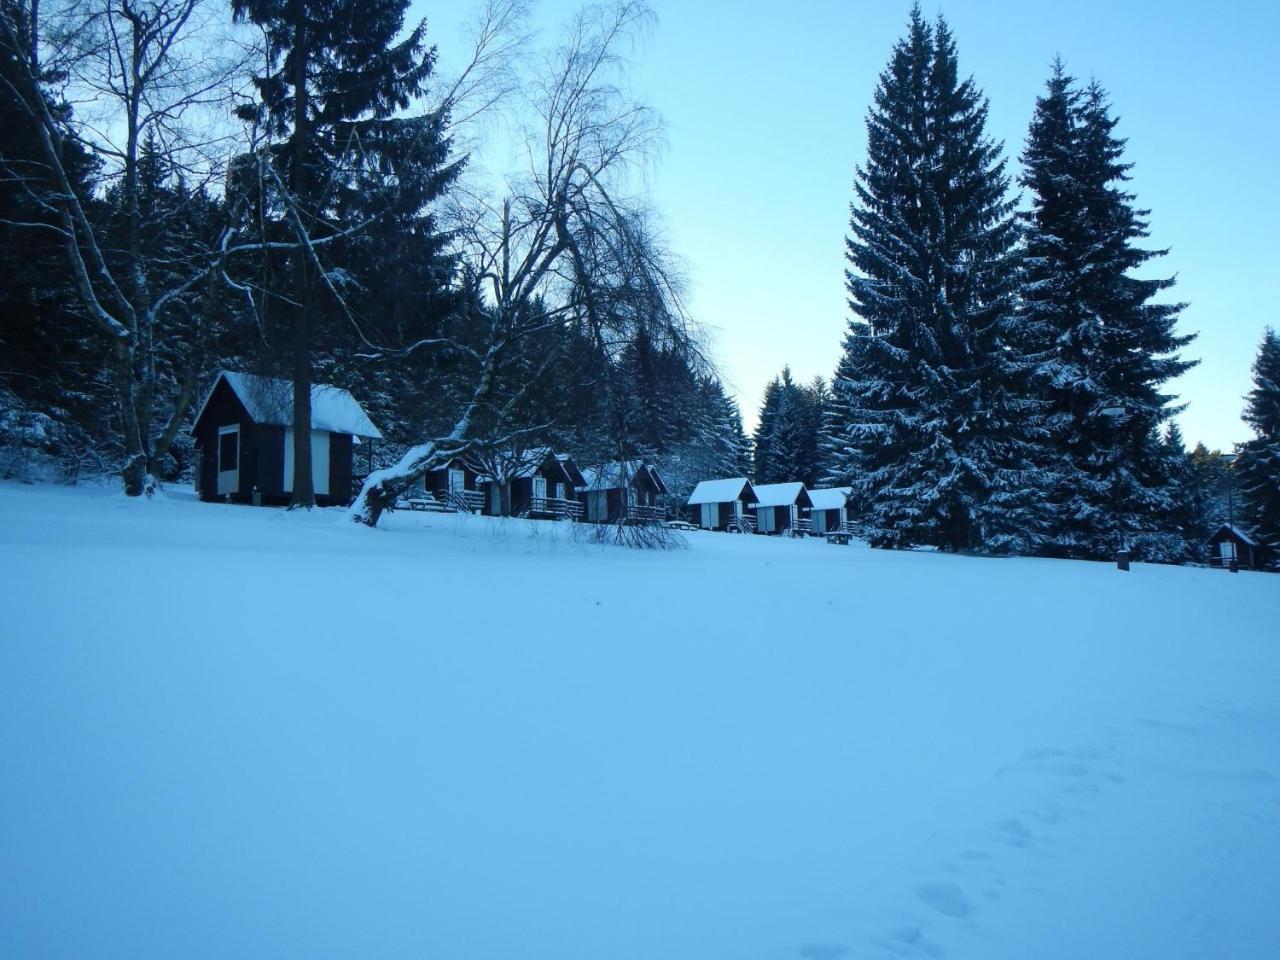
pixel 724 504
pixel 831 512
pixel 1233 543
pixel 535 482
pixel 782 508
pixel 456 485
pixel 628 491
pixel 244 440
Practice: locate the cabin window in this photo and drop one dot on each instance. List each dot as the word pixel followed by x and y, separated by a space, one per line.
pixel 229 451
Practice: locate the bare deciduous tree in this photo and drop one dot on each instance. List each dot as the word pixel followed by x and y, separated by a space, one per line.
pixel 567 245
pixel 143 69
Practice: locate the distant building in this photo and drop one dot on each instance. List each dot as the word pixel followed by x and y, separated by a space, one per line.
pixel 528 483
pixel 724 504
pixel 456 485
pixel 244 437
pixel 782 507
pixel 831 512
pixel 1231 542
pixel 630 490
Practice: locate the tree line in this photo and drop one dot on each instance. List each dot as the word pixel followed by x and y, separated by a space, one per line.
pixel 285 187
pixel 1004 383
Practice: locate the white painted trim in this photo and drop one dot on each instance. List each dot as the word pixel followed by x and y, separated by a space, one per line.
pixel 228 481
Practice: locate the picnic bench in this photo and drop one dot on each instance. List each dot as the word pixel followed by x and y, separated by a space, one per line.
pixel 420 502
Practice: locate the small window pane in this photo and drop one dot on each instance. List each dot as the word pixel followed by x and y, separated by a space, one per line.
pixel 228 451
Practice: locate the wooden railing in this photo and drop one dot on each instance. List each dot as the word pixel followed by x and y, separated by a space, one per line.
pixel 464 501
pixel 637 513
pixel 555 507
pixel 741 524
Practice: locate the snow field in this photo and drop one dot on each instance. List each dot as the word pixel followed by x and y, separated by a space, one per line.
pixel 228 731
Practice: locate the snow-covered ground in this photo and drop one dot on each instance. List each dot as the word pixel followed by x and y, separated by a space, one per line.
pixel 237 732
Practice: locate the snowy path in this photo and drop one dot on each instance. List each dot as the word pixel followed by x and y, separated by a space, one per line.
pixel 236 732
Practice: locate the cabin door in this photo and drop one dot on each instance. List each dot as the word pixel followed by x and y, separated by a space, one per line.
pixel 539 492
pixel 228 459
pixel 710 514
pixel 495 499
pixel 319 461
pixel 1227 550
pixel 457 480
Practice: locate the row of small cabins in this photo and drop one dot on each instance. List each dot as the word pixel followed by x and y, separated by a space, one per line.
pixel 245 440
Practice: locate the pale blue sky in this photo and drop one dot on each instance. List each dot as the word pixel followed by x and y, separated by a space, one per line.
pixel 765 105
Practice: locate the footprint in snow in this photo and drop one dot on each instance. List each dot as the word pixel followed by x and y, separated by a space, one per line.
pixel 947 898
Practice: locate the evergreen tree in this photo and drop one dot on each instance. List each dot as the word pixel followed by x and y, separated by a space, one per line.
pixel 930 422
pixel 1258 461
pixel 788 431
pixel 336 78
pixel 1106 349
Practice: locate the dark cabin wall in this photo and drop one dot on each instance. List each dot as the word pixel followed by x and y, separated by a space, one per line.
pixel 341 451
pixel 270 448
pixel 223 410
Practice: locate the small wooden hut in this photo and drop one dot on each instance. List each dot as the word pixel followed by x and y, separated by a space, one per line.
pixel 782 507
pixel 724 504
pixel 244 438
pixel 1233 543
pixel 626 490
pixel 831 512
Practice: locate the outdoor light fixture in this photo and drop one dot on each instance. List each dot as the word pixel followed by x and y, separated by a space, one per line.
pixel 1118 415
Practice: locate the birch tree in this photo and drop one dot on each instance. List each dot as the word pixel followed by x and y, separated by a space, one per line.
pixel 143 69
pixel 565 248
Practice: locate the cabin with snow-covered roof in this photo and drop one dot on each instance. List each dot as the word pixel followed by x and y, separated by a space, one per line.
pixel 724 504
pixel 1235 543
pixel 455 485
pixel 528 483
pixel 244 439
pixel 782 508
pixel 831 512
pixel 624 490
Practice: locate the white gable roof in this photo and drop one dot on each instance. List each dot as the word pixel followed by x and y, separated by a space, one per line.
pixel 829 498
pixel 779 494
pixel 270 401
pixel 718 491
pixel 610 475
pixel 1242 534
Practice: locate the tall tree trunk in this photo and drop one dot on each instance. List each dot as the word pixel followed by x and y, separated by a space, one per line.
pixel 303 487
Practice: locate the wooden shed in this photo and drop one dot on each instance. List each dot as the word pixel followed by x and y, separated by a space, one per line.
pixel 244 438
pixel 456 485
pixel 1234 543
pixel 782 507
pixel 831 512
pixel 625 490
pixel 528 483
pixel 724 504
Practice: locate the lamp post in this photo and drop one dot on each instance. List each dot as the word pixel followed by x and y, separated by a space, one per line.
pixel 1234 564
pixel 1118 415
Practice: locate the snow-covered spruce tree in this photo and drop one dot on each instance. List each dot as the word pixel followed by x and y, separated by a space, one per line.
pixel 931 423
pixel 788 432
pixel 1257 465
pixel 1184 533
pixel 337 74
pixel 1107 349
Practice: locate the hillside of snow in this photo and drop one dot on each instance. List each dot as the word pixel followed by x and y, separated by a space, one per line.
pixel 239 732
